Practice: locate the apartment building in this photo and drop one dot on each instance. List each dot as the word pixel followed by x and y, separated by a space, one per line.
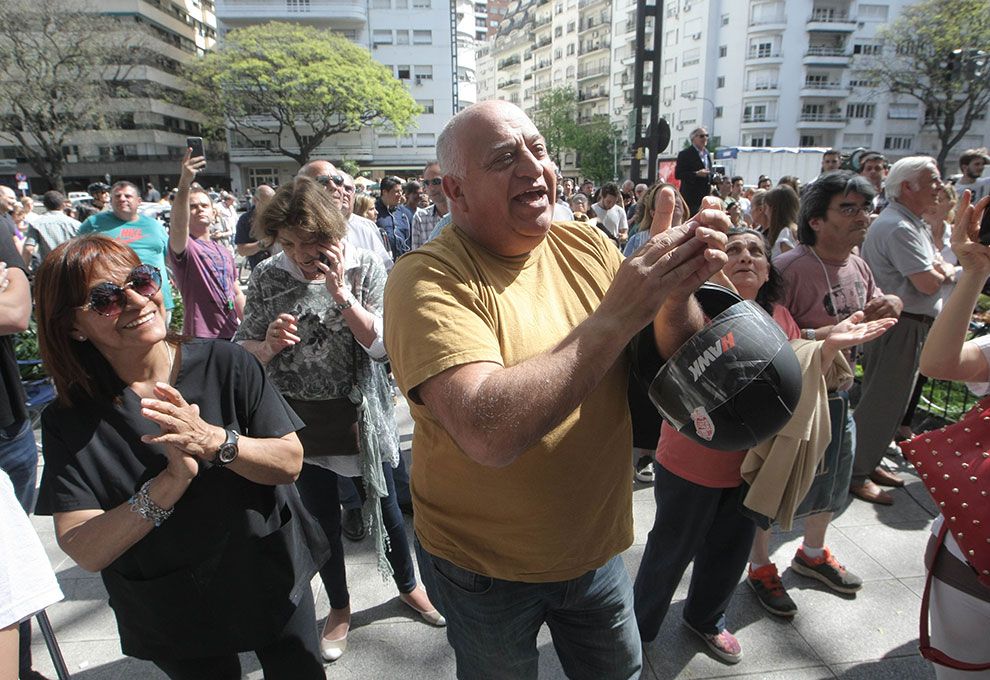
pixel 755 72
pixel 428 44
pixel 587 45
pixel 150 136
pixel 789 73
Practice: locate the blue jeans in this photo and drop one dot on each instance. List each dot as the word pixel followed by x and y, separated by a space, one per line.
pixel 19 459
pixel 492 624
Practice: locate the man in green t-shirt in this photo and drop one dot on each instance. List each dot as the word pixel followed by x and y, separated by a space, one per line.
pixel 146 236
pixel 508 334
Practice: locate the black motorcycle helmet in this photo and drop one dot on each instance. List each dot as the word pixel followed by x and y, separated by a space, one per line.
pixel 732 385
pixel 97 188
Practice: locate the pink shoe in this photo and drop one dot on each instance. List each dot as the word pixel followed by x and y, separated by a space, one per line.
pixel 724 645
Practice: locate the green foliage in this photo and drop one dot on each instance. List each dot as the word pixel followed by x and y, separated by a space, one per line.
pixel 917 61
pixel 349 166
pixel 26 349
pixel 555 117
pixel 56 75
pixel 596 144
pixel 277 78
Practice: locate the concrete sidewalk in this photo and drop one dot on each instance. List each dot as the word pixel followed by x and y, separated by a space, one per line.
pixel 871 635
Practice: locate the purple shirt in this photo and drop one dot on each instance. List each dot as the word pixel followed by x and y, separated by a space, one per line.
pixel 204 274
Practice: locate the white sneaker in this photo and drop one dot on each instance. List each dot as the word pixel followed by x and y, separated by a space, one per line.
pixel 645 475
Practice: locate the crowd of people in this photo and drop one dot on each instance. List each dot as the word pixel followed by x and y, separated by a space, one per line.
pixel 215 468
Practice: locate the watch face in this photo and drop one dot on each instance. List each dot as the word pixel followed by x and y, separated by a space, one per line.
pixel 227 453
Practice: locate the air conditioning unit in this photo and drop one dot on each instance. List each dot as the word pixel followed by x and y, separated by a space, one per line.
pixel 868 121
pixel 687 7
pixel 696 36
pixel 668 102
pixel 419 80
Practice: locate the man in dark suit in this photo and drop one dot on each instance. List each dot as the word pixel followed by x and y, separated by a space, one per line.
pixel 693 169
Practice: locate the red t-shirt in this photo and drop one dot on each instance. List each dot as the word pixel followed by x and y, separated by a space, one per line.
pixel 703 466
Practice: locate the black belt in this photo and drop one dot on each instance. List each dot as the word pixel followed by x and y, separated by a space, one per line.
pixel 920 318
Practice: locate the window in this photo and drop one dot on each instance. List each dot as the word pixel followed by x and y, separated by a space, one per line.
pixel 381 4
pixel 570 49
pixel 755 113
pixel 258 176
pixel 861 110
pixel 558 53
pixel 809 140
pixel 669 66
pixel 862 79
pixel 559 31
pixel 723 51
pixel 872 13
pixel 403 72
pixel 426 105
pixel 897 142
pixel 402 37
pixel 720 82
pixel 902 111
pixel 725 19
pixel 691 56
pixel 670 38
pixel 426 139
pixel 424 72
pixel 760 139
pixel 402 4
pixel 689 86
pixel 718 111
pixel 381 37
pixel 479 22
pixel 760 50
pixel 422 37
pixel 868 49
pixel 570 27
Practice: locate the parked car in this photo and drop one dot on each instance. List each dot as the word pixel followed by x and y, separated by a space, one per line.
pixel 75 196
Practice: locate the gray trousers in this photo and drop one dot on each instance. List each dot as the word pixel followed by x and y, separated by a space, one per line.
pixel 890 368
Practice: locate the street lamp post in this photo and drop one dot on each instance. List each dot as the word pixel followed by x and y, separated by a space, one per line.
pixel 691 96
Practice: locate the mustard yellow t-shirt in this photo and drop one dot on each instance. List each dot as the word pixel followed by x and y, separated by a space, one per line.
pixel 564 506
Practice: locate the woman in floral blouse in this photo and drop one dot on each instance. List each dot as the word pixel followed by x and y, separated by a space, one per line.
pixel 313 317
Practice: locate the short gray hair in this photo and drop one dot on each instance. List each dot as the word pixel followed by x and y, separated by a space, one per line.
pixel 907 170
pixel 447 153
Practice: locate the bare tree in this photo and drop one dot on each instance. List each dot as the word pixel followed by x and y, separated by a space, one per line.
pixel 61 63
pixel 933 53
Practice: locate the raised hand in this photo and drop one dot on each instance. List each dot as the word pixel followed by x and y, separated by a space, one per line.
pixel 853 330
pixel 973 255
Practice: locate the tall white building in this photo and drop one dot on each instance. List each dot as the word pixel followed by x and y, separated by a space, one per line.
pixel 428 44
pixel 756 72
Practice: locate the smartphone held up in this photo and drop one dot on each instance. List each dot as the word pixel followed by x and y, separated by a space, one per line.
pixel 196 144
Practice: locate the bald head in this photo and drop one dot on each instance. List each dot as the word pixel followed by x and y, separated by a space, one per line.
pixel 450 147
pixel 325 173
pixel 262 195
pixel 7 198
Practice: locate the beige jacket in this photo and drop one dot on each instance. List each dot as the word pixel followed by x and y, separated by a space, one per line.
pixel 780 470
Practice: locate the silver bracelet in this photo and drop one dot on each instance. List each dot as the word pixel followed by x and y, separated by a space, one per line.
pixel 142 504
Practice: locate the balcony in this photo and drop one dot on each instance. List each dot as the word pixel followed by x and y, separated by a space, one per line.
pixel 827 20
pixel 511 61
pixel 768 24
pixel 592 23
pixel 511 82
pixel 764 57
pixel 350 12
pixel 820 55
pixel 822 121
pixel 592 95
pixel 592 72
pixel 588 3
pixel 762 90
pixel 589 48
pixel 820 89
pixel 544 41
pixel 543 64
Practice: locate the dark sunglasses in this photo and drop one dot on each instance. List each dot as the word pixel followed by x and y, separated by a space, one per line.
pixel 109 299
pixel 326 179
pixel 436 181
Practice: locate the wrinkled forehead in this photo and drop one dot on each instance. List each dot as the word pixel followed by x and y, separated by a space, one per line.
pixel 746 240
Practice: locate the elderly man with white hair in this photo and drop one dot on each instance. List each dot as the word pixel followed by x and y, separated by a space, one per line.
pixel 904 263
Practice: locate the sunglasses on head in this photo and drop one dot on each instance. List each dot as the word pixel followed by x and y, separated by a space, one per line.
pixel 109 299
pixel 436 181
pixel 326 179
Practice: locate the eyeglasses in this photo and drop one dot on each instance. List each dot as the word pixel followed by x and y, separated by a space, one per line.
pixel 435 182
pixel 326 179
pixel 705 136
pixel 109 299
pixel 349 188
pixel 851 210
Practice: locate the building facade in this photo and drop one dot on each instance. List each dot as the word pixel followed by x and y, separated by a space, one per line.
pixel 428 44
pixel 149 139
pixel 780 73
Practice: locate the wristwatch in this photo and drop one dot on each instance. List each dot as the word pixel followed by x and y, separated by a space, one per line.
pixel 809 333
pixel 227 452
pixel 346 304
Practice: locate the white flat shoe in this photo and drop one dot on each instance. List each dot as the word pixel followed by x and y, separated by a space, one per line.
pixel 331 650
pixel 432 617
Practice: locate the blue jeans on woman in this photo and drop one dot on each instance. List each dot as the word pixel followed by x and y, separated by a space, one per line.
pixel 19 459
pixel 492 624
pixel 318 490
pixel 699 523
